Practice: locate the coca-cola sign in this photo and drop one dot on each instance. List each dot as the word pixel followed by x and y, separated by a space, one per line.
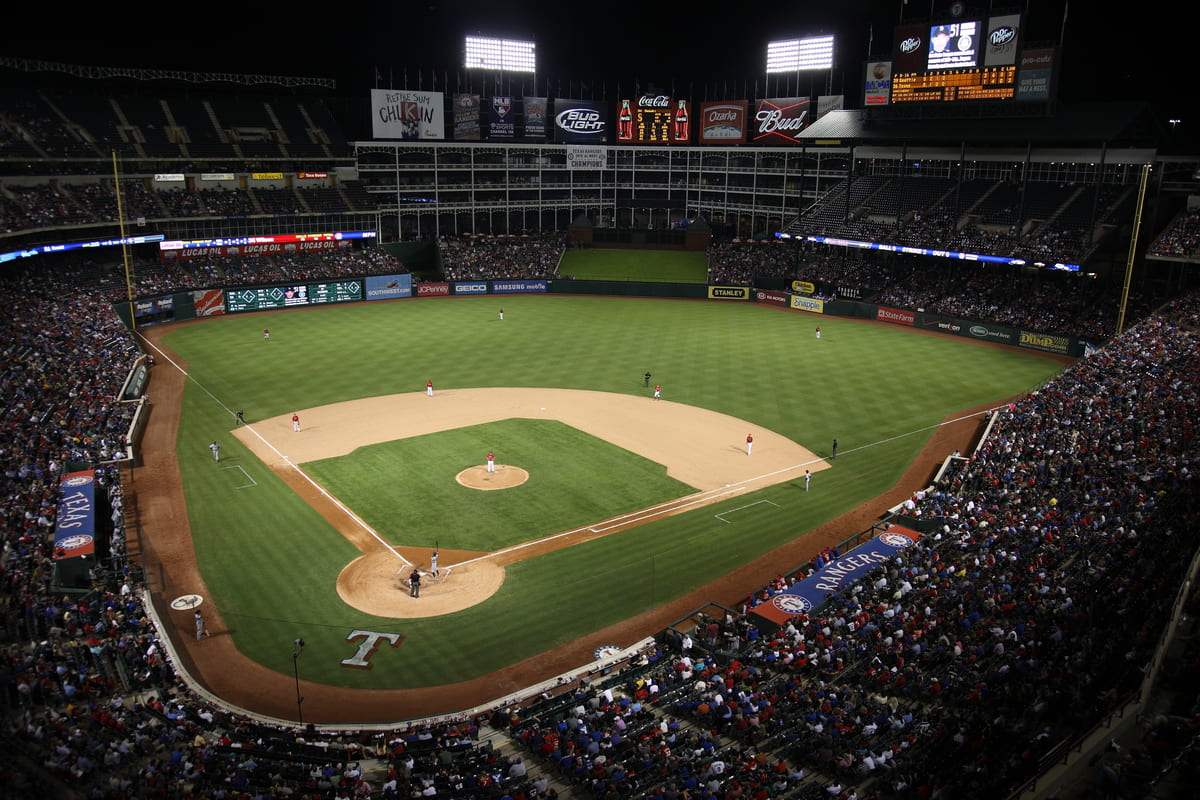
pixel 723 123
pixel 780 119
pixel 654 101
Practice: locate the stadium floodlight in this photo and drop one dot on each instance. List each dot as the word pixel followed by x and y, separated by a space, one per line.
pixel 815 52
pixel 508 55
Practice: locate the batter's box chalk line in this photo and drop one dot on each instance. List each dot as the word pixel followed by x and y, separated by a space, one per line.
pixel 247 474
pixel 721 516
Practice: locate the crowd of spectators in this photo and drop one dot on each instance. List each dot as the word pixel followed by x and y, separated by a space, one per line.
pixel 1048 301
pixel 533 255
pixel 1025 615
pixel 44 205
pixel 1181 238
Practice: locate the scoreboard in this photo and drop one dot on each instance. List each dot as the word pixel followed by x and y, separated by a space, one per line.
pixel 987 83
pixel 961 58
pixel 261 298
pixel 654 119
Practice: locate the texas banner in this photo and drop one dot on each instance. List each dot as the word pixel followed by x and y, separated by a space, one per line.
pixel 813 591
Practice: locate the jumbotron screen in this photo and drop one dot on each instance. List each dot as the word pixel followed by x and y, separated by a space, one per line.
pixel 961 59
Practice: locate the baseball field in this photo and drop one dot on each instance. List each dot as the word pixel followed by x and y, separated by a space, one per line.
pixel 608 508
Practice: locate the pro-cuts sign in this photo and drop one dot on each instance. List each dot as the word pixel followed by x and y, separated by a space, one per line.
pixel 779 120
pixel 580 121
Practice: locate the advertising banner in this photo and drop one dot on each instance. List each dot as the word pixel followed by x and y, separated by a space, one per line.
pixel 157 305
pixel 580 121
pixel 1034 74
pixel 401 114
pixel 729 293
pixel 877 83
pixel 808 304
pixel 471 288
pixel 513 287
pixel 911 48
pixel 259 298
pixel 386 287
pixel 895 315
pixel 813 591
pixel 723 123
pixel 587 156
pixel 502 116
pixel 803 287
pixel 1000 43
pixel 75 524
pixel 773 298
pixel 432 289
pixel 208 303
pixel 1045 342
pixel 466 118
pixel 780 120
pixel 993 333
pixel 830 102
pixel 534 111
pixel 257 249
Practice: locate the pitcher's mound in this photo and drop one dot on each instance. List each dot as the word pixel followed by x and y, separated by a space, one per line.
pixel 505 477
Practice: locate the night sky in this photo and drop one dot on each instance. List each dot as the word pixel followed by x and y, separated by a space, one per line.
pixel 685 48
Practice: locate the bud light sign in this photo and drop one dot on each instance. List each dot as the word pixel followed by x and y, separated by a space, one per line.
pixel 580 121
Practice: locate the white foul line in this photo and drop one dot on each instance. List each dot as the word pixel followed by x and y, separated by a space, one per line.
pixel 358 520
pixel 721 516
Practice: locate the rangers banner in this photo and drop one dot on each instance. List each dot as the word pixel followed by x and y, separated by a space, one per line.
pixel 813 591
pixel 407 115
pixel 780 120
pixel 723 123
pixel 534 111
pixel 585 156
pixel 75 523
pixel 466 118
pixel 502 118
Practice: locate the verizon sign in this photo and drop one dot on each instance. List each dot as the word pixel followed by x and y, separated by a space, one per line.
pixel 780 120
pixel 723 123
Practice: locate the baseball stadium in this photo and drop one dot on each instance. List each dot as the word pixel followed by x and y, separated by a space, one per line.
pixel 548 438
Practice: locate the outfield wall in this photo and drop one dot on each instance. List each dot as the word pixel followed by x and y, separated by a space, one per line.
pixel 215 302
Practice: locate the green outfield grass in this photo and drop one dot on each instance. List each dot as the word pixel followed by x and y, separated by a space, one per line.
pixel 648 266
pixel 271 563
pixel 575 479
